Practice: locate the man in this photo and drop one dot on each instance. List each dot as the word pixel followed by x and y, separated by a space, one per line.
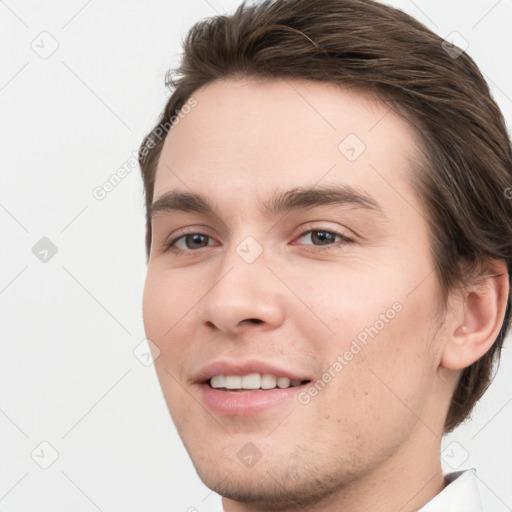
pixel 329 256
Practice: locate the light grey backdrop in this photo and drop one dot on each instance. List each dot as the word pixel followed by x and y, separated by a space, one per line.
pixel 80 83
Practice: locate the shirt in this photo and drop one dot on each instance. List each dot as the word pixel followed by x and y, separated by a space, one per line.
pixel 460 495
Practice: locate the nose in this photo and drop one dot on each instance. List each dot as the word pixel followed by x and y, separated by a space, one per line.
pixel 244 295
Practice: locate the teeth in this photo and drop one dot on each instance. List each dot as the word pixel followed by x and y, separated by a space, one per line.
pixel 219 381
pixel 268 381
pixel 233 382
pixel 252 381
pixel 283 382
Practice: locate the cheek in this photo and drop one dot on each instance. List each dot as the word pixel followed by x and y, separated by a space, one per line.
pixel 165 305
pixel 166 299
pixel 345 303
pixel 397 367
pixel 374 336
pixel 390 296
pixel 165 302
pixel 155 302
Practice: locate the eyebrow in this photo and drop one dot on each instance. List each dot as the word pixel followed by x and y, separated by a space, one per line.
pixel 296 199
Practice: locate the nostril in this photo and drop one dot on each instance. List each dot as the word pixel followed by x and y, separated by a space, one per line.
pixel 252 320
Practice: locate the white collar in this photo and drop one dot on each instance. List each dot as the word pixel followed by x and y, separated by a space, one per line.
pixel 460 495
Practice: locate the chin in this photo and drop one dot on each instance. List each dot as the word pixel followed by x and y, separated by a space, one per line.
pixel 287 482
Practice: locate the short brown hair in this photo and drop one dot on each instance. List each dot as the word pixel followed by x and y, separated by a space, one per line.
pixel 467 163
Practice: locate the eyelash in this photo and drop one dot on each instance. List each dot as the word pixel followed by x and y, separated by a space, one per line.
pixel 170 247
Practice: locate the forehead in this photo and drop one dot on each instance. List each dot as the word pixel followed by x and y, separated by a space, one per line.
pixel 250 134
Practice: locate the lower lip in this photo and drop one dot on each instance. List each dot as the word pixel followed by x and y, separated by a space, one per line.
pixel 246 403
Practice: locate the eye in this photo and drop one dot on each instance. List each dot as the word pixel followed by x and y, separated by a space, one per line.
pixel 324 237
pixel 188 242
pixel 192 241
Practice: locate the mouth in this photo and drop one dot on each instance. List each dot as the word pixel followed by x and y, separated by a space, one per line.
pixel 252 382
pixel 248 388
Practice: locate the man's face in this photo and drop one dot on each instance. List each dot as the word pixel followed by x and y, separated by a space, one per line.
pixel 341 294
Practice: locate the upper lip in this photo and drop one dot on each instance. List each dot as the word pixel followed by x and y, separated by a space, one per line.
pixel 245 367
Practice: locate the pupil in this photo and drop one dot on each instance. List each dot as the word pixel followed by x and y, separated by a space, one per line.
pixel 325 237
pixel 196 239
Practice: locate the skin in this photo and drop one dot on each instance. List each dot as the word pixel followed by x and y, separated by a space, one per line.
pixel 370 439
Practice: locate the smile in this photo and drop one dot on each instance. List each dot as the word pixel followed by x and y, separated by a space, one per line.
pixel 252 381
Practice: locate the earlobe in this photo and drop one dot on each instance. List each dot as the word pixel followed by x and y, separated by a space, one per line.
pixel 477 318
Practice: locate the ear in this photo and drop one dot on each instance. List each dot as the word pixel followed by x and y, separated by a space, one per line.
pixel 476 318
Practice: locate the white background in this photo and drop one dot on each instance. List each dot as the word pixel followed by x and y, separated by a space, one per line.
pixel 68 375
